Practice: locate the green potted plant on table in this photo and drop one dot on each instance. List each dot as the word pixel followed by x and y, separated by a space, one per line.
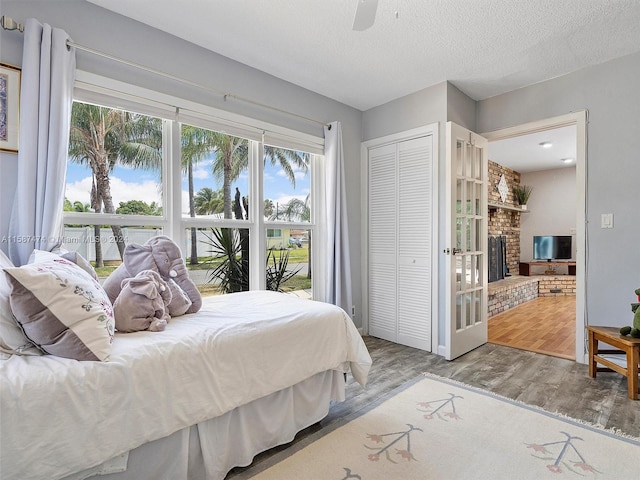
pixel 521 194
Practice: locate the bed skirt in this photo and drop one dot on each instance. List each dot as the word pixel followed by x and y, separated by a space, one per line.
pixel 210 449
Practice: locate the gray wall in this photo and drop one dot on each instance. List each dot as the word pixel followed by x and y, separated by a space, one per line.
pixel 105 31
pixel 611 95
pixel 552 207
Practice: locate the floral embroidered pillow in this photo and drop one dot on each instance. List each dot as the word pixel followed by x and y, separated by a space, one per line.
pixel 12 340
pixel 62 309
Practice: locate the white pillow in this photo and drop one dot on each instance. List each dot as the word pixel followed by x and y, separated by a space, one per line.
pixel 61 309
pixel 12 340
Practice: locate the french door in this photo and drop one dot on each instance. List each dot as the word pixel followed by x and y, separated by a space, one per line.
pixel 466 241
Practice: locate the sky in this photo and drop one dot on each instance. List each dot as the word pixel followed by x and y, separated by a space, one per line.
pixel 131 184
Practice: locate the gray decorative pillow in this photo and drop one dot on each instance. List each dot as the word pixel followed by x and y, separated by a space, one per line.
pixel 12 340
pixel 62 309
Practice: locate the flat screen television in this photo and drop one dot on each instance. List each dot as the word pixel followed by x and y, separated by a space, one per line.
pixel 552 247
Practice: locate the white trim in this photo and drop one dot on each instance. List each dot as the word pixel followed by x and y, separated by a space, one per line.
pixel 430 129
pixel 579 119
pixel 172 187
pixel 160 104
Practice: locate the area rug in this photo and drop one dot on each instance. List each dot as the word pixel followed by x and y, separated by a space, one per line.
pixel 433 428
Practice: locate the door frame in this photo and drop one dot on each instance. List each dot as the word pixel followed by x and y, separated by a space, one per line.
pixel 579 119
pixel 430 129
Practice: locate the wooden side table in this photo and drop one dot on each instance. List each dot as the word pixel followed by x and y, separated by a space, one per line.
pixel 628 345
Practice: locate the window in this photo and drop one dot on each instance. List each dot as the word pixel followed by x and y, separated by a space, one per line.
pixel 130 182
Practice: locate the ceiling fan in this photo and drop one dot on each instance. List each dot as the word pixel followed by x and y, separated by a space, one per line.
pixel 365 14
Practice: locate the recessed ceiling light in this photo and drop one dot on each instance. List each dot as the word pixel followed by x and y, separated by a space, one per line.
pixel 567 160
pixel 545 144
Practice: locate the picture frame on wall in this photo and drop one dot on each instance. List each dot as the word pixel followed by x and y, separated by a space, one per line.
pixel 9 107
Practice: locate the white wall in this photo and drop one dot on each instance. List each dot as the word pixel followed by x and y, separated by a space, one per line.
pixel 611 95
pixel 108 32
pixel 551 207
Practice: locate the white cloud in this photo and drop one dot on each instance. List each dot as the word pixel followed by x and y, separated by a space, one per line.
pixel 201 173
pixel 121 191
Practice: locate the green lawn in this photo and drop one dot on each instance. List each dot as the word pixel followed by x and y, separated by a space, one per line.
pixel 296 255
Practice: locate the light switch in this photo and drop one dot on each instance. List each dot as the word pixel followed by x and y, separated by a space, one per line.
pixel 606 220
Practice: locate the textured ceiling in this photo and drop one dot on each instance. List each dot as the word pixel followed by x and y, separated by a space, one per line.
pixel 484 47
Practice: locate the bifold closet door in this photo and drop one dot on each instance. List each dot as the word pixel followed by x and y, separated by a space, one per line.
pixel 383 242
pixel 414 242
pixel 400 236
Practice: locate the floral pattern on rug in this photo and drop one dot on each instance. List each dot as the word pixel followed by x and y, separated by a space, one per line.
pixel 563 453
pixel 437 408
pixel 349 475
pixel 404 453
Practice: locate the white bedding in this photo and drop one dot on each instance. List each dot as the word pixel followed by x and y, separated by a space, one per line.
pixel 59 416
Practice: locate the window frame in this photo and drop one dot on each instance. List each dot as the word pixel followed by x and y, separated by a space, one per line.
pixel 173 111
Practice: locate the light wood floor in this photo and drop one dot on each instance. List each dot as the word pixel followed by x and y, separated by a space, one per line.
pixel 544 325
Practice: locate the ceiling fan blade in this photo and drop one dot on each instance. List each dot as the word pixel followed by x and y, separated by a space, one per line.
pixel 365 14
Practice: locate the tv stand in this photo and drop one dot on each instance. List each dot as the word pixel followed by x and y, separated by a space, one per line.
pixel 525 267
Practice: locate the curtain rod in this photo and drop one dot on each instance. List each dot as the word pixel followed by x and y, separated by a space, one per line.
pixel 9 23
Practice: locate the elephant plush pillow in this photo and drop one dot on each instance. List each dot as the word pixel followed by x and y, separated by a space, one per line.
pixel 62 309
pixel 159 254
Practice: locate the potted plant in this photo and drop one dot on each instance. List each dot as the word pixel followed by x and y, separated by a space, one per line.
pixel 522 194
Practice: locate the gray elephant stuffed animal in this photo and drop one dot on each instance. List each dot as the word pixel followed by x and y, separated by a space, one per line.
pixel 162 255
pixel 142 303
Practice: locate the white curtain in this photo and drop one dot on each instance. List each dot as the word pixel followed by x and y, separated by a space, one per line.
pixel 46 92
pixel 337 287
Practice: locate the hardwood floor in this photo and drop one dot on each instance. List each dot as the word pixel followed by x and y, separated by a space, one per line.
pixel 544 325
pixel 552 383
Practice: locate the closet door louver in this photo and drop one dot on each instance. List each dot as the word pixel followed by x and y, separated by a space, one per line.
pixel 400 242
pixel 383 211
pixel 414 243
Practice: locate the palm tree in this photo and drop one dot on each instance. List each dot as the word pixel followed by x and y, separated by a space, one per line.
pixel 287 159
pixel 208 201
pixel 104 137
pixel 197 144
pixel 268 207
pixel 78 206
pixel 296 210
pixel 232 158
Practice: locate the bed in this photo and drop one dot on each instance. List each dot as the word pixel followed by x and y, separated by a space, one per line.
pixel 244 374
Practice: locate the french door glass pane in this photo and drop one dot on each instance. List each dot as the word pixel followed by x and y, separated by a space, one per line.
pixel 477 163
pixel 469 312
pixel 469 223
pixel 478 305
pixel 468 166
pixel 458 159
